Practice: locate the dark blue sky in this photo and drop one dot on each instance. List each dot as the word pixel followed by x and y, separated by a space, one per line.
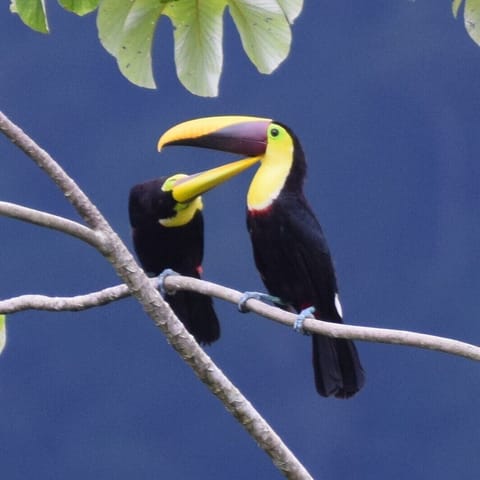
pixel 384 98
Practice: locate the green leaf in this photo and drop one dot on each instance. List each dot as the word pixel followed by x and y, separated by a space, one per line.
pixel 3 333
pixel 110 20
pixel 126 30
pixel 135 54
pixel 198 43
pixel 80 7
pixel 472 19
pixel 264 31
pixel 32 13
pixel 292 8
pixel 455 6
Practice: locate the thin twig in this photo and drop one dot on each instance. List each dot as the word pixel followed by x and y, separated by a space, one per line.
pixel 68 186
pixel 48 220
pixel 64 304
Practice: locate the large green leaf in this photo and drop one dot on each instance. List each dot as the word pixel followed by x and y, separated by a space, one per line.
pixel 80 7
pixel 264 31
pixel 32 13
pixel 198 43
pixel 127 27
pixel 3 333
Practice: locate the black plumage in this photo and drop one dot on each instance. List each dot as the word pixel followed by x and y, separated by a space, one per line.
pixel 179 247
pixel 293 259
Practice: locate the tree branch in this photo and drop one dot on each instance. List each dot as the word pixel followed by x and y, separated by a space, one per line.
pixel 159 311
pixel 48 220
pixel 71 190
pixel 76 303
pixel 329 329
pixel 177 282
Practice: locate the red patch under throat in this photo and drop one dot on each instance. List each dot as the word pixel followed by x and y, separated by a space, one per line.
pixel 260 213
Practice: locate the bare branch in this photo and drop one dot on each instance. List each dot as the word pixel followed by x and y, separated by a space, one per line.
pixel 177 282
pixel 64 304
pixel 159 311
pixel 329 329
pixel 48 220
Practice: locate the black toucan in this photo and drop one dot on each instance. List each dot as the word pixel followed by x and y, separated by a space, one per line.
pixel 289 246
pixel 167 230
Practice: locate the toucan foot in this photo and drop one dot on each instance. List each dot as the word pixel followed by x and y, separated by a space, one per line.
pixel 161 280
pixel 265 297
pixel 305 313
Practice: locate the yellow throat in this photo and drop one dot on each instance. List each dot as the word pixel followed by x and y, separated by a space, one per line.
pixel 274 169
pixel 184 212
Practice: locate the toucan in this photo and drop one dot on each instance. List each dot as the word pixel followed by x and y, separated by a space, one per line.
pixel 289 246
pixel 167 231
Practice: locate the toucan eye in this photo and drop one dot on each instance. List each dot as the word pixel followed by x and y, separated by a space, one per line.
pixel 274 132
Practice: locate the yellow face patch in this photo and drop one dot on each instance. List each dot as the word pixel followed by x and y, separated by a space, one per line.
pixel 275 166
pixel 184 211
pixel 171 181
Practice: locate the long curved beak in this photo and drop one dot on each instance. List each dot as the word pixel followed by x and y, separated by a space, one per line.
pixel 236 134
pixel 187 188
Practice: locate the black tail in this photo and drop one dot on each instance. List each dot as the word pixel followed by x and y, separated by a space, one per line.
pixel 336 367
pixel 197 314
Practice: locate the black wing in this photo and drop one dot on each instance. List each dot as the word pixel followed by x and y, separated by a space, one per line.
pixel 292 256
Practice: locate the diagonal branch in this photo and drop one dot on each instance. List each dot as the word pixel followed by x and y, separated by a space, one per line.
pixel 48 220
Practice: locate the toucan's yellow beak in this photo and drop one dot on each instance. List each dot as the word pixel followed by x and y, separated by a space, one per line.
pixel 236 134
pixel 187 188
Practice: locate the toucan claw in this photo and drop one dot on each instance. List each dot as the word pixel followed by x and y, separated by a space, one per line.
pixel 264 297
pixel 299 321
pixel 161 281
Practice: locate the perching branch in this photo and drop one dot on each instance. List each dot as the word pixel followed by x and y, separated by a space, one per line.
pixel 113 249
pixel 329 329
pixel 177 282
pixel 64 304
